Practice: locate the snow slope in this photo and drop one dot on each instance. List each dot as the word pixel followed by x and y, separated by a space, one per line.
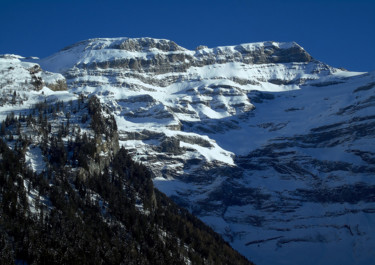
pixel 24 84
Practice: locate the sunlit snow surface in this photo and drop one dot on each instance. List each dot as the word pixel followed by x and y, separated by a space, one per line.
pixel 244 145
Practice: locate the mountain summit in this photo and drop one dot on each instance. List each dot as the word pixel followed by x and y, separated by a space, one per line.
pixel 150 55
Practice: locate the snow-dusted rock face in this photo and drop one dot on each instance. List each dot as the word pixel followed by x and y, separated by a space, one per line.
pixel 273 149
pixel 16 71
pixel 155 56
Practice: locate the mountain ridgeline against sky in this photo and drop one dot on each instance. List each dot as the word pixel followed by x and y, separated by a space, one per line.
pixel 271 148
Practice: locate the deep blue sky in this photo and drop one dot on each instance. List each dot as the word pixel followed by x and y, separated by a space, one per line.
pixel 338 32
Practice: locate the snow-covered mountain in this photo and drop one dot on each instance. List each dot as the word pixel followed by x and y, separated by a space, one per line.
pixel 272 148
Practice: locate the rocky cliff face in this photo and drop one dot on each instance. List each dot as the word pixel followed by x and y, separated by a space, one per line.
pixel 154 56
pixel 270 147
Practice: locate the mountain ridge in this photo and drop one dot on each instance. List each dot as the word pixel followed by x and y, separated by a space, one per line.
pixel 143 47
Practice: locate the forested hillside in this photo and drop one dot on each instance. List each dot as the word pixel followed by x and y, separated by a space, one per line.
pixel 90 203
